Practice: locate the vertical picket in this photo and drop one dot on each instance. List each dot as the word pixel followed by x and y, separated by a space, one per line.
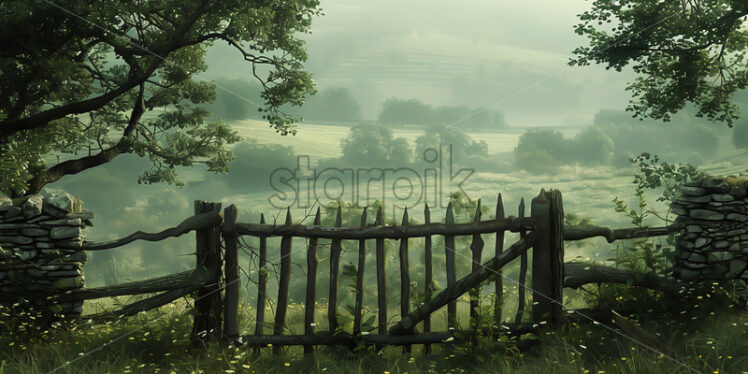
pixel 499 280
pixel 476 247
pixel 285 279
pixel 404 278
pixel 359 305
pixel 310 301
pixel 522 271
pixel 429 277
pixel 332 304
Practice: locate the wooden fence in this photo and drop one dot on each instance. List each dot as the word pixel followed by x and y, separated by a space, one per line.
pixel 216 315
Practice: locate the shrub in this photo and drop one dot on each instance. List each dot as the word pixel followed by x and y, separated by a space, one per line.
pixel 462 145
pixel 542 151
pixel 373 144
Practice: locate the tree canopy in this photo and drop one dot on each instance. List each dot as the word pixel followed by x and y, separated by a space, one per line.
pixel 374 144
pixel 415 112
pixel 683 51
pixel 83 82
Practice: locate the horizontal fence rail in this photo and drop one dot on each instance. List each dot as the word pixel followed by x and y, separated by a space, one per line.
pixel 611 235
pixel 386 232
pixel 200 221
pixel 216 316
pixel 170 282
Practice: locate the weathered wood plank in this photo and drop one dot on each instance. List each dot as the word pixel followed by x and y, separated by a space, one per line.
pixel 449 253
pixel 142 305
pixel 548 257
pixel 332 304
pixel 498 304
pixel 429 274
pixel 521 299
pixel 404 277
pixel 189 278
pixel 359 304
pixel 311 286
pixel 231 275
pixel 385 232
pixel 611 235
pixel 325 338
pixel 462 286
pixel 262 275
pixel 199 221
pixel 476 248
pixel 577 274
pixel 283 284
pixel 381 279
pixel 208 306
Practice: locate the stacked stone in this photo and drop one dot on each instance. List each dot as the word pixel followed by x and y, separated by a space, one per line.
pixel 714 244
pixel 40 252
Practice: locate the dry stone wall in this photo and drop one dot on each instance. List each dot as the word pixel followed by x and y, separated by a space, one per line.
pixel 714 243
pixel 40 253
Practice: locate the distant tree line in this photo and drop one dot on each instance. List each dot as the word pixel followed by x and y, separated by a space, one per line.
pixel 416 112
pixel 614 137
pixel 373 144
pixel 236 99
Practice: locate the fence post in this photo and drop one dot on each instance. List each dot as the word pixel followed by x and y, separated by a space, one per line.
pixel 311 286
pixel 262 276
pixel 548 256
pixel 231 275
pixel 207 323
pixel 283 284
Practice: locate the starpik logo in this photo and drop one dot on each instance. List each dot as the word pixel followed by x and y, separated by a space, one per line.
pixel 403 187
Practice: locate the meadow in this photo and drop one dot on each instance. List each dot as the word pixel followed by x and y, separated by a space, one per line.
pixel 705 338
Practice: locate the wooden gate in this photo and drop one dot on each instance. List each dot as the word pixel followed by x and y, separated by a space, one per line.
pixel 542 231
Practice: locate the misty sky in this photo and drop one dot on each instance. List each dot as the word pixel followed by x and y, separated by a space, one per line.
pixel 508 53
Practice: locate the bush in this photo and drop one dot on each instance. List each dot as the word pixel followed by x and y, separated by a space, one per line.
pixel 406 111
pixel 592 147
pixel 684 135
pixel 233 98
pixel 415 112
pixel 373 144
pixel 542 151
pixel 332 104
pixel 462 145
pixel 254 164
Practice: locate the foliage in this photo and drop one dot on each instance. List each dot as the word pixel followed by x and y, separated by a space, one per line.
pixel 332 104
pixel 373 144
pixel 646 255
pixel 613 140
pixel 690 141
pixel 654 174
pixel 255 163
pixel 234 99
pixel 682 52
pixel 405 111
pixel 158 341
pixel 108 80
pixel 415 112
pixel 542 151
pixel 461 145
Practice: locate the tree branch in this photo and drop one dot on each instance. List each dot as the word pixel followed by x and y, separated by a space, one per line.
pixel 76 166
pixel 41 119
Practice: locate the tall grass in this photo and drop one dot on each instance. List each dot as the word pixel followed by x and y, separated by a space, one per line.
pixel 707 341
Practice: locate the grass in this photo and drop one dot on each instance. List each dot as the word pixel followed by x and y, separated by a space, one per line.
pixel 707 341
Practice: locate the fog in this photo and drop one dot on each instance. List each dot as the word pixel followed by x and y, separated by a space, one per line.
pixel 489 78
pixel 509 55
